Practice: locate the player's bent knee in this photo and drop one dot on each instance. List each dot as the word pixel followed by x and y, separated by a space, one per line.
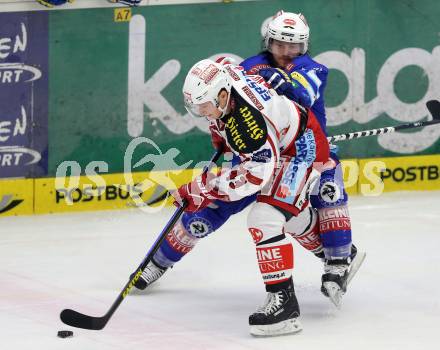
pixel 304 228
pixel 330 192
pixel 197 226
pixel 301 223
pixel 265 222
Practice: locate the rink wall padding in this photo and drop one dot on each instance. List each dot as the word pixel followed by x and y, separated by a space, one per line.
pixel 16 197
pixel 367 177
pixel 80 85
pixel 103 192
pixel 420 173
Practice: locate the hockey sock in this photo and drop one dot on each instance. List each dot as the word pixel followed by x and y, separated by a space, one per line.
pixel 177 244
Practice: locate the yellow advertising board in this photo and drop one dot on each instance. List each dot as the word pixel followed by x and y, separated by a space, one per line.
pixel 16 197
pixel 415 173
pixel 117 191
pixel 350 171
pixel 102 192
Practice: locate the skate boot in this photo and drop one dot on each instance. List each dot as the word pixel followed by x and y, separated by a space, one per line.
pixel 150 275
pixel 279 314
pixel 334 279
pixel 320 255
pixel 338 273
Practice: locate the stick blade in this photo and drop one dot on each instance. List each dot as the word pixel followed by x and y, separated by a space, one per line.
pixel 434 108
pixel 79 320
pixel 160 198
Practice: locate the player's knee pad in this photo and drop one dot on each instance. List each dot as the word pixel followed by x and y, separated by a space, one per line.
pixel 304 228
pixel 264 222
pixel 329 191
pixel 208 220
pixel 198 225
pixel 297 225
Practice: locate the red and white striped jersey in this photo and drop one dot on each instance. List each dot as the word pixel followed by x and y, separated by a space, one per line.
pixel 261 128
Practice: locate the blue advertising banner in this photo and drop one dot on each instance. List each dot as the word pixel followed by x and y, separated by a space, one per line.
pixel 23 94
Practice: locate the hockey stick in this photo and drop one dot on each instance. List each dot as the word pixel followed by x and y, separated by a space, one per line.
pixel 76 319
pixel 164 193
pixel 79 320
pixel 432 105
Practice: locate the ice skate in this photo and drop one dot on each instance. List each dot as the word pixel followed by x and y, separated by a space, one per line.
pixel 279 314
pixel 320 255
pixel 150 275
pixel 337 275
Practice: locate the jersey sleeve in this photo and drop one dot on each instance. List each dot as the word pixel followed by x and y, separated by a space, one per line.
pixel 249 62
pixel 252 65
pixel 257 168
pixel 309 84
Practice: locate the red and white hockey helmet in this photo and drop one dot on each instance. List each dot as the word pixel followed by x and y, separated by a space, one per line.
pixel 288 27
pixel 203 83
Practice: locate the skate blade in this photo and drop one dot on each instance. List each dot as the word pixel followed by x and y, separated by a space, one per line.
pixel 355 265
pixel 334 293
pixel 290 326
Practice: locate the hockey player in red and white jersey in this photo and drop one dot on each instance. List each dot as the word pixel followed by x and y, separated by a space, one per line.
pixel 282 151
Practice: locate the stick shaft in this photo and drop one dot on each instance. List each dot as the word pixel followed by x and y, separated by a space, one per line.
pixel 76 319
pixel 380 131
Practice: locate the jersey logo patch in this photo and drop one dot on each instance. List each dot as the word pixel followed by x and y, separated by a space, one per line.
pixel 296 169
pixel 263 156
pixel 246 129
pixel 300 79
pixel 199 227
pixel 330 192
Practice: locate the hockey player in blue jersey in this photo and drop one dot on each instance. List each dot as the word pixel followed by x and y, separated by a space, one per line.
pixel 286 65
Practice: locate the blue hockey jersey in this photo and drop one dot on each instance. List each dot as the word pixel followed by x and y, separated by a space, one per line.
pixel 307 75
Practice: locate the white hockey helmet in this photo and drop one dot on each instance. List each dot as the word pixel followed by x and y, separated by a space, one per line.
pixel 203 83
pixel 288 27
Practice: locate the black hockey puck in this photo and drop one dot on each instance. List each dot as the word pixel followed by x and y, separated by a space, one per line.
pixel 65 334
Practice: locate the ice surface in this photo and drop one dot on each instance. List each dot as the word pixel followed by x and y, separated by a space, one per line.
pixel 82 261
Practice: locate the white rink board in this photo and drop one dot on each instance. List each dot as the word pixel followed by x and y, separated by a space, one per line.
pixel 82 261
pixel 33 5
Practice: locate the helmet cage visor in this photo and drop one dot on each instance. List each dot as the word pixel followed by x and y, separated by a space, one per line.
pixel 198 110
pixel 290 28
pixel 283 48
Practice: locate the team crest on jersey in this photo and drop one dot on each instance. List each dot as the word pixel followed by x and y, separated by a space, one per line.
pixel 245 128
pixel 256 233
pixel 199 227
pixel 329 192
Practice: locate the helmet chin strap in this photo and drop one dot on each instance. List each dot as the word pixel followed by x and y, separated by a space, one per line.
pixel 224 109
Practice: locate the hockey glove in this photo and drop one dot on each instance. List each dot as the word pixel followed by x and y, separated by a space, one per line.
pixel 52 3
pixel 192 195
pixel 283 85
